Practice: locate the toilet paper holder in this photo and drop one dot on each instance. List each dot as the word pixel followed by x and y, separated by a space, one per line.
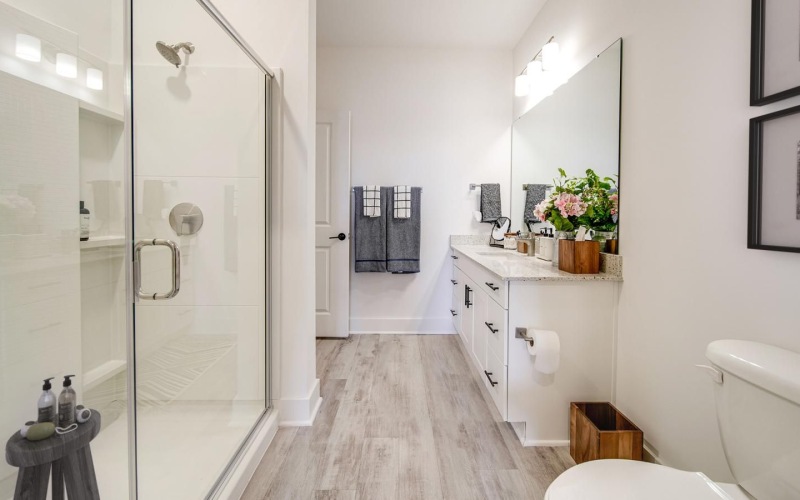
pixel 522 333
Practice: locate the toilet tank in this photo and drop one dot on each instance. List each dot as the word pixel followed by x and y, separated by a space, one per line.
pixel 758 409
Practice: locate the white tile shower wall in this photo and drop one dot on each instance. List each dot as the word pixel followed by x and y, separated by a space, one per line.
pixel 684 151
pixel 40 311
pixel 435 118
pixel 180 114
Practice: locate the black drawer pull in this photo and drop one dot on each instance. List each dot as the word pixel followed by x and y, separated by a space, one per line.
pixel 491 285
pixel 454 257
pixel 467 291
pixel 490 325
pixel 453 312
pixel 489 376
pixel 454 282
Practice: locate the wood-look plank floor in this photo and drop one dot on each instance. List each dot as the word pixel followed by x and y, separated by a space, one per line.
pixel 403 417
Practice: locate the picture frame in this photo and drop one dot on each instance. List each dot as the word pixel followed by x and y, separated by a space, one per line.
pixel 774 51
pixel 773 213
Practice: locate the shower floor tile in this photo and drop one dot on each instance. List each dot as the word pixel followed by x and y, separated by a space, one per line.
pixel 182 448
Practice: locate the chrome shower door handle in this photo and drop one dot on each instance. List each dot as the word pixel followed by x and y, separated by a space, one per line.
pixel 137 269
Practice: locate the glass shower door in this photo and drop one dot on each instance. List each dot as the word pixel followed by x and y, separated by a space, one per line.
pixel 199 187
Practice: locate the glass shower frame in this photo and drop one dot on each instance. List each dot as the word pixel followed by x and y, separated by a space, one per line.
pixel 129 190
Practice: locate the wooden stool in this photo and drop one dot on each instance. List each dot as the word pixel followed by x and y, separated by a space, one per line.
pixel 69 457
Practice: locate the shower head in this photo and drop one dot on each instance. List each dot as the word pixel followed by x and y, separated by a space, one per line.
pixel 172 52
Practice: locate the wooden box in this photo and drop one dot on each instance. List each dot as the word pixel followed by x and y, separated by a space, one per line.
pixel 579 257
pixel 598 430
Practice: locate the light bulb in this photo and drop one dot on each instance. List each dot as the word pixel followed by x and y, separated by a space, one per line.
pixel 550 56
pixel 66 65
pixel 29 47
pixel 521 86
pixel 94 79
pixel 534 72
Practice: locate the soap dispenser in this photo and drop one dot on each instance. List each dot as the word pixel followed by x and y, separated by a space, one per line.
pixel 46 405
pixel 66 403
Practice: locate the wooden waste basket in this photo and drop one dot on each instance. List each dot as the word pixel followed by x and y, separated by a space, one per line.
pixel 598 430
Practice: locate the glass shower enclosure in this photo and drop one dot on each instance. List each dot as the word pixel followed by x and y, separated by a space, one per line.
pixel 155 118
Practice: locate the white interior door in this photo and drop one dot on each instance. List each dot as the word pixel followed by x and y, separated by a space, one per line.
pixel 333 224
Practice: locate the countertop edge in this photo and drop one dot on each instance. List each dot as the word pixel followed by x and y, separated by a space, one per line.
pixel 561 276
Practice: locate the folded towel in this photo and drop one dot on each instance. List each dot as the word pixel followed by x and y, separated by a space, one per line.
pixel 402 202
pixel 490 202
pixel 372 201
pixel 533 196
pixel 369 236
pixel 403 238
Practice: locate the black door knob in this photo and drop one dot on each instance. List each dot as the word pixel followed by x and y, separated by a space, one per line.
pixel 340 237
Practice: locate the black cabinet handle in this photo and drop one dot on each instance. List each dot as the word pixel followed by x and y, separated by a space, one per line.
pixel 467 291
pixel 491 285
pixel 454 257
pixel 489 376
pixel 453 312
pixel 340 237
pixel 454 282
pixel 490 325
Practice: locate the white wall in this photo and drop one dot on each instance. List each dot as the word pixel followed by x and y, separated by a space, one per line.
pixel 684 165
pixel 435 118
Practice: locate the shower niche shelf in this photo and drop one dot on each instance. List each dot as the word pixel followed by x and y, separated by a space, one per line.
pixel 112 240
pixel 103 114
pixel 96 376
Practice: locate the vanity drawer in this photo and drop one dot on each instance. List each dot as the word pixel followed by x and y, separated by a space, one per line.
pixel 496 316
pixel 495 288
pixel 496 371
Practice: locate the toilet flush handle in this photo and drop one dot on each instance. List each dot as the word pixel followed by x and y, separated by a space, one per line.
pixel 712 372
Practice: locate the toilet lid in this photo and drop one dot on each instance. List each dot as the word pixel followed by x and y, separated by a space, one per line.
pixel 631 480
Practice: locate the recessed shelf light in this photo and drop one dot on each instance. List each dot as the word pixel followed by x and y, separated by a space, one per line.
pixel 94 79
pixel 28 48
pixel 66 65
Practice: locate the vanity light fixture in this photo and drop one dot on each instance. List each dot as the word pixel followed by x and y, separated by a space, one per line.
pixel 28 48
pixel 66 65
pixel 539 74
pixel 94 79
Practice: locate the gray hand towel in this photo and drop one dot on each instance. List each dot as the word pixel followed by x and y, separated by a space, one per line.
pixel 533 196
pixel 369 235
pixel 490 202
pixel 403 237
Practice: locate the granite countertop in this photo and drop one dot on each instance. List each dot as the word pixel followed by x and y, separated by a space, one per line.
pixel 511 265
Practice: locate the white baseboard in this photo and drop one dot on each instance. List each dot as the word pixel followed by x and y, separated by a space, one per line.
pixel 300 412
pixel 546 442
pixel 248 462
pixel 432 326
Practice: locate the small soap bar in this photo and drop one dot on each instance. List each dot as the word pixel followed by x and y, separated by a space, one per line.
pixel 40 431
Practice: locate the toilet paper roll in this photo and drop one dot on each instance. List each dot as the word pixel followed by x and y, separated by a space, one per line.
pixel 478 216
pixel 546 350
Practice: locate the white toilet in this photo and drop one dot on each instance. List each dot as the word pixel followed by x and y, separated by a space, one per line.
pixel 758 409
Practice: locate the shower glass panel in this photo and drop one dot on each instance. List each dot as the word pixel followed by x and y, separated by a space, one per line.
pixel 63 304
pixel 199 183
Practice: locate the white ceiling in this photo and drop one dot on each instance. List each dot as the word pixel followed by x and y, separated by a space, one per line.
pixel 495 24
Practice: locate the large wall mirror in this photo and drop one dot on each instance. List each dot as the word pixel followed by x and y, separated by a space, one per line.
pixel 575 129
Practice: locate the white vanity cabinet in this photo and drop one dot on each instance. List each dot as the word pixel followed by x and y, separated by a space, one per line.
pixel 497 291
pixel 483 319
